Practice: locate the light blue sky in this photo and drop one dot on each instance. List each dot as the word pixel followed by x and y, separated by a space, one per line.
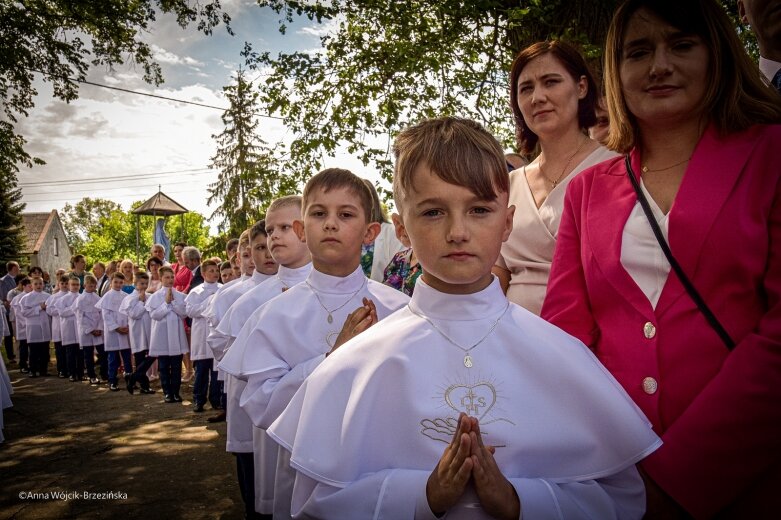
pixel 108 135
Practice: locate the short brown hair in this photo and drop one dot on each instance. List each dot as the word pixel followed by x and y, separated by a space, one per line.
pixel 165 269
pixel 257 229
pixel 226 264
pixel 244 240
pixel 88 278
pixel 118 275
pixel 141 276
pixel 76 258
pixel 207 263
pixel 577 67
pixel 10 265
pixel 283 202
pixel 64 278
pixel 736 97
pixel 334 178
pixel 458 151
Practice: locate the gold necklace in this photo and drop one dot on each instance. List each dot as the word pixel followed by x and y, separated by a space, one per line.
pixel 554 183
pixel 646 169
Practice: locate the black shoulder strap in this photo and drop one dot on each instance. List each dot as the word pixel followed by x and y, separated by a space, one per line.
pixel 687 284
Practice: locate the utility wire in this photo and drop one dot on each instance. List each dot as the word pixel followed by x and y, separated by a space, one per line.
pixel 131 176
pixel 158 96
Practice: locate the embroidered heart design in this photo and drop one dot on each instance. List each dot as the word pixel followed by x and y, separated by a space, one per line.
pixel 475 400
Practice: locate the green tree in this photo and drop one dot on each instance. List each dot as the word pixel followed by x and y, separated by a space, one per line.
pixel 385 64
pixel 82 219
pixel 249 176
pixel 61 39
pixel 11 207
pixel 106 232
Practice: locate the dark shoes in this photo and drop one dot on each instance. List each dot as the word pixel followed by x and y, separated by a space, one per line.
pixel 198 408
pixel 93 381
pixel 220 417
pixel 177 398
pixel 129 385
pixel 24 370
pixel 147 391
pixel 113 387
pixel 72 379
pixel 169 398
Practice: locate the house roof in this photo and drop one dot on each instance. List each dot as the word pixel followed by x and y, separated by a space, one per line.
pixel 36 225
pixel 162 205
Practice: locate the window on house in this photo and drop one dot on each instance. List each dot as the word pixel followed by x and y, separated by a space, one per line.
pixel 56 247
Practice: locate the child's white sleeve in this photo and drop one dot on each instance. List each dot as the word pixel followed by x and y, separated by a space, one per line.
pixel 110 320
pixel 388 494
pixel 136 310
pixel 160 312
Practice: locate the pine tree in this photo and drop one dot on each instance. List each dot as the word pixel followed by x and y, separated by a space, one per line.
pixel 11 207
pixel 249 176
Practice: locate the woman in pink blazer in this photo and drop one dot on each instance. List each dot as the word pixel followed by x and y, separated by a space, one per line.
pixel 701 130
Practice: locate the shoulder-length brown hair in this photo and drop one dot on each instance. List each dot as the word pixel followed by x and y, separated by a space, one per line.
pixel 574 63
pixel 736 96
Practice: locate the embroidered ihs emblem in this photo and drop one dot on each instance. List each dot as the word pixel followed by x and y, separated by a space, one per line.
pixel 477 398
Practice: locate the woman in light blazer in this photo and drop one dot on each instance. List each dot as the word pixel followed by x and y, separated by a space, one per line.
pixel 703 137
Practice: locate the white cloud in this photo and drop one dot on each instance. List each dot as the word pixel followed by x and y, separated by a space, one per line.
pixel 163 56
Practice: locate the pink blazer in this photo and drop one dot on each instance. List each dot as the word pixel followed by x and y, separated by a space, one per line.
pixel 719 413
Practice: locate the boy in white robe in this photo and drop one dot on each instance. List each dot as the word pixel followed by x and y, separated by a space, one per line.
pixel 65 312
pixel 116 341
pixel 293 333
pixel 462 403
pixel 90 325
pixel 295 263
pixel 167 340
pixel 20 327
pixel 140 325
pixel 38 327
pixel 53 311
pixel 196 304
pixel 253 253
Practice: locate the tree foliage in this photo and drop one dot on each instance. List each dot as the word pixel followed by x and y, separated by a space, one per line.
pixel 11 207
pixel 249 176
pixel 100 230
pixel 385 64
pixel 61 39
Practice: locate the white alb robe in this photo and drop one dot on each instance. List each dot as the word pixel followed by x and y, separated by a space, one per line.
pixel 239 426
pixel 37 324
pixel 138 321
pixel 4 329
pixel 369 426
pixel 20 323
pixel 196 304
pixel 112 319
pixel 88 319
pixel 263 448
pixel 287 338
pixel 6 390
pixel 167 337
pixel 66 316
pixel 54 313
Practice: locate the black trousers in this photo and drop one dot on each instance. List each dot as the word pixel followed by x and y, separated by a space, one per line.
pixel 75 361
pixel 8 341
pixel 143 363
pixel 39 357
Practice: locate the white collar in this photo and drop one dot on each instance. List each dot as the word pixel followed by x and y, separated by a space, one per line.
pixel 258 277
pixel 325 283
pixel 769 68
pixel 458 307
pixel 290 277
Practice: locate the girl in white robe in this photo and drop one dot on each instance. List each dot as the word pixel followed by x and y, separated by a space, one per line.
pixel 38 327
pixel 168 342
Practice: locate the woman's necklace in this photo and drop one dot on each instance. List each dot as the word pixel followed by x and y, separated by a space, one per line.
pixel 555 182
pixel 467 357
pixel 646 169
pixel 331 311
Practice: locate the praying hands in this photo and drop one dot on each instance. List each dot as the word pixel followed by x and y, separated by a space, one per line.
pixel 357 321
pixel 465 458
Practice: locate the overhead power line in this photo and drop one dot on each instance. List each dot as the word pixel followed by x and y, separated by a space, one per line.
pixel 130 176
pixel 158 96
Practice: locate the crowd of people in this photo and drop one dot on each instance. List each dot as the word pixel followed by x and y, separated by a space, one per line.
pixel 593 333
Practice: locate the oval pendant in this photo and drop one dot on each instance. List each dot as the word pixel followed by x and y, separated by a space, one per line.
pixel 330 318
pixel 468 361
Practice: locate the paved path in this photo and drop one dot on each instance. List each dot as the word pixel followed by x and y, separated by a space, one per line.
pixel 163 460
